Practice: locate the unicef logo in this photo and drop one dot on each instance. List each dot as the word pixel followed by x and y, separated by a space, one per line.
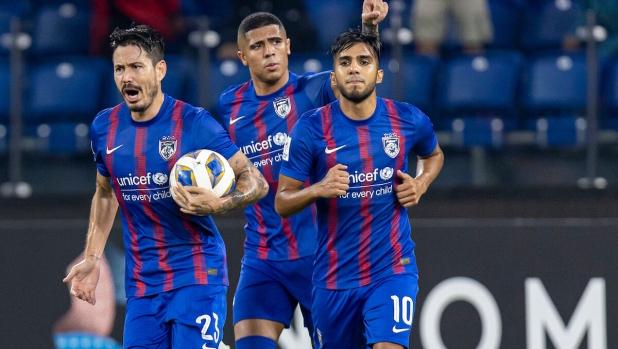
pixel 159 178
pixel 280 138
pixel 386 173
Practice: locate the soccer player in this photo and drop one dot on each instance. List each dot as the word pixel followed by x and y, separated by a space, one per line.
pixel 176 272
pixel 279 253
pixel 354 152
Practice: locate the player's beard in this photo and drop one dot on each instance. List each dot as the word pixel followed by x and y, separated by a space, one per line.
pixel 146 102
pixel 356 96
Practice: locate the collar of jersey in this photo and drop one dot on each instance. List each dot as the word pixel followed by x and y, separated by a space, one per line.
pixel 166 103
pixel 379 107
pixel 279 92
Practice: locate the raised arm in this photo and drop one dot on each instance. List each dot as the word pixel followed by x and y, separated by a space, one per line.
pixel 85 275
pixel 250 187
pixel 292 198
pixel 374 11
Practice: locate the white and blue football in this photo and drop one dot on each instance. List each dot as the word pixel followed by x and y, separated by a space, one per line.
pixel 205 169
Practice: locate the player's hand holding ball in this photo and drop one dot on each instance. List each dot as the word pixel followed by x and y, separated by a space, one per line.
pixel 199 179
pixel 335 183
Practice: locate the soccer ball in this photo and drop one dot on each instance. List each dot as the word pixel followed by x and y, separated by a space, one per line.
pixel 205 169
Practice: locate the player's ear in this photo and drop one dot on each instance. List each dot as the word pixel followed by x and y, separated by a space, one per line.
pixel 161 70
pixel 287 41
pixel 333 79
pixel 241 57
pixel 380 76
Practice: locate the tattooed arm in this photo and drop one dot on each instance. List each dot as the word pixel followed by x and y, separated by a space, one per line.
pixel 374 12
pixel 250 187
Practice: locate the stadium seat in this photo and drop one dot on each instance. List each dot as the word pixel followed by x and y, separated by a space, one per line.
pixel 61 137
pixel 300 63
pixel 554 97
pixel 61 30
pixel 545 23
pixel 555 83
pixel 65 91
pixel 224 74
pixel 477 95
pixel 418 77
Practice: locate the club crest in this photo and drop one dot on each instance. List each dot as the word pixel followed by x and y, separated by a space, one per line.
pixel 390 143
pixel 167 148
pixel 282 106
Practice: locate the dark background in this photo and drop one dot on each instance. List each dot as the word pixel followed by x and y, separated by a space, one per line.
pixel 564 236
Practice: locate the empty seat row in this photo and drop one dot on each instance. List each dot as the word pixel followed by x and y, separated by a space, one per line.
pixel 457 93
pixel 62 27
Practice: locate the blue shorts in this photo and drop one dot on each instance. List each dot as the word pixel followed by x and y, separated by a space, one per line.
pixel 271 290
pixel 187 317
pixel 360 317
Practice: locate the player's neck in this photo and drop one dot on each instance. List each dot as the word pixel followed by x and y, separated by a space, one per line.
pixel 358 111
pixel 152 111
pixel 265 88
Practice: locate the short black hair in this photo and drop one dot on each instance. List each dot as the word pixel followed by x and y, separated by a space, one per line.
pixel 142 36
pixel 258 20
pixel 352 37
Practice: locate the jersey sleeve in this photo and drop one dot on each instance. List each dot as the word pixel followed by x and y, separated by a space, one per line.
pixel 209 134
pixel 318 89
pixel 425 138
pixel 98 150
pixel 297 155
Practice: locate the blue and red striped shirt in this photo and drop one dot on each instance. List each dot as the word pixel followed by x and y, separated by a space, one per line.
pixel 165 249
pixel 259 125
pixel 363 236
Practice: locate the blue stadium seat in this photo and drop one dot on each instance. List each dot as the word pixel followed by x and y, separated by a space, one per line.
pixel 61 137
pixel 546 23
pixel 418 72
pixel 555 83
pixel 61 30
pixel 65 91
pixel 479 92
pixel 224 74
pixel 300 63
pixel 554 97
pixel 480 84
pixel 5 91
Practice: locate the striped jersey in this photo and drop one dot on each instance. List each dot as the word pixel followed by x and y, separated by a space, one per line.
pixel 259 125
pixel 165 248
pixel 364 235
